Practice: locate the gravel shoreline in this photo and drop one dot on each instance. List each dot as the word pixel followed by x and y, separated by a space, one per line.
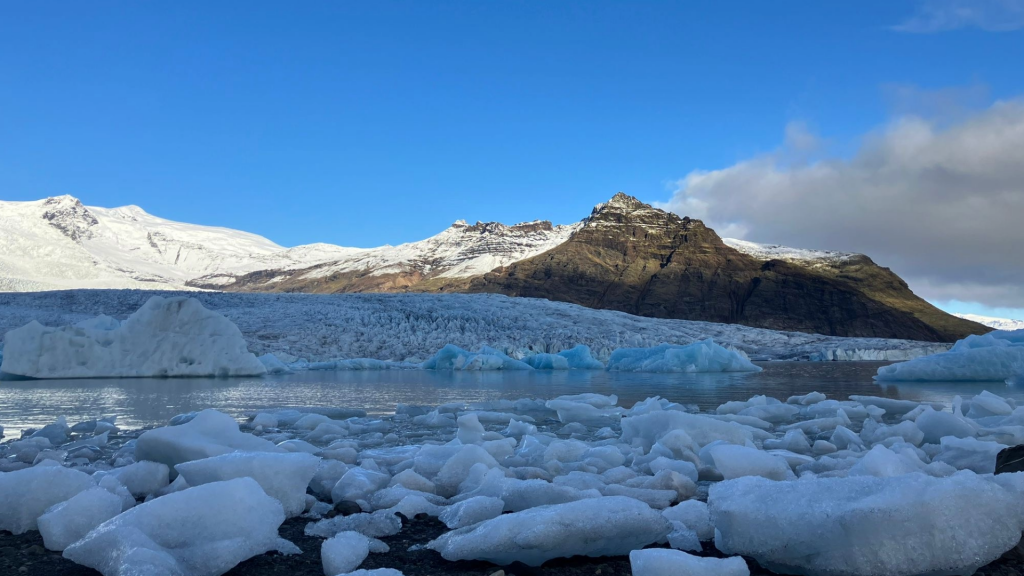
pixel 24 554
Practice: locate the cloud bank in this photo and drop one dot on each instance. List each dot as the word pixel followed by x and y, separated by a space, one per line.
pixel 942 205
pixel 944 15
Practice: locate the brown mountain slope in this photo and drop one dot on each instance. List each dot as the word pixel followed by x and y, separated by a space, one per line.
pixel 638 259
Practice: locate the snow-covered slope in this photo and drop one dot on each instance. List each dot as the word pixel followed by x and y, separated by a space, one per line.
pixel 415 326
pixel 777 252
pixel 59 243
pixel 991 322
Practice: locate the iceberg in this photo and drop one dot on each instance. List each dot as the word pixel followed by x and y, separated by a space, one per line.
pixel 166 337
pixel 606 526
pixel 451 357
pixel 200 531
pixel 576 358
pixel 864 526
pixel 996 356
pixel 701 356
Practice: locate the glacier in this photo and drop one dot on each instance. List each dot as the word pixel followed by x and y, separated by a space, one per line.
pixel 996 356
pixel 166 337
pixel 375 331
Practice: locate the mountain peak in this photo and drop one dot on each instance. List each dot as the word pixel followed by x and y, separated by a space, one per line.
pixel 67 214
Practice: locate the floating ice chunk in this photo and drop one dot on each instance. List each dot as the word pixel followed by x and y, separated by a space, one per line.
pixel 935 425
pixel 609 526
pixel 585 410
pixel 26 494
pixel 735 461
pixel 969 454
pixel 452 357
pixel 166 337
pixel 67 522
pixel 864 526
pixel 344 552
pixel 56 433
pixel 544 361
pixel 702 356
pixel 580 358
pixel 210 433
pixel 202 531
pixel 472 511
pixel 891 406
pixel 273 365
pixel 662 562
pixel 647 429
pixel 282 476
pixel 806 399
pixel 988 404
pixel 996 356
pixel 374 572
pixel 143 478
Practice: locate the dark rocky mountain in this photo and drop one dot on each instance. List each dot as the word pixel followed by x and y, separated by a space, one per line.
pixel 631 257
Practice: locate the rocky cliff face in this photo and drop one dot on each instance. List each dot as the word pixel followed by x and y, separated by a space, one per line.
pixel 631 257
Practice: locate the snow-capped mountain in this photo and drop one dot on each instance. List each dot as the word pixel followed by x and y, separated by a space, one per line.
pixel 59 243
pixel 991 322
pixel 794 255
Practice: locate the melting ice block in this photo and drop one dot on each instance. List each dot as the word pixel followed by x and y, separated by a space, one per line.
pixel 166 337
pixel 26 494
pixel 201 531
pixel 994 356
pixel 209 433
pixel 607 526
pixel 282 476
pixel 864 526
pixel 344 552
pixel 701 356
pixel 67 522
pixel 662 562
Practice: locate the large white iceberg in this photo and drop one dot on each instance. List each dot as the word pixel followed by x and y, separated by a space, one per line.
pixel 209 433
pixel 863 526
pixel 994 356
pixel 166 337
pixel 607 526
pixel 702 356
pixel 201 531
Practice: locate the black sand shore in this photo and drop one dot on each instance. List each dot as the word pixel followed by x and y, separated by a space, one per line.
pixel 24 554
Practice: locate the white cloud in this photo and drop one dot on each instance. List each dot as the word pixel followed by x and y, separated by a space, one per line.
pixel 943 205
pixel 944 15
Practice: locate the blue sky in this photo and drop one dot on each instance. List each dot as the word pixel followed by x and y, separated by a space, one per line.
pixel 382 122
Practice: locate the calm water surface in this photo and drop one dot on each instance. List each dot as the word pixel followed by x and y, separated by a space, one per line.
pixel 148 402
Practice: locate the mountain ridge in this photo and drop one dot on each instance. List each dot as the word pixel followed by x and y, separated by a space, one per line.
pixel 626 255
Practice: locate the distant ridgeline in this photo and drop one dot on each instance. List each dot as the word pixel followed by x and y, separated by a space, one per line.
pixel 626 256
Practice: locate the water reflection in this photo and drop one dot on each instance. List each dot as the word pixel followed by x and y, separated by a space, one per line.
pixel 147 402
